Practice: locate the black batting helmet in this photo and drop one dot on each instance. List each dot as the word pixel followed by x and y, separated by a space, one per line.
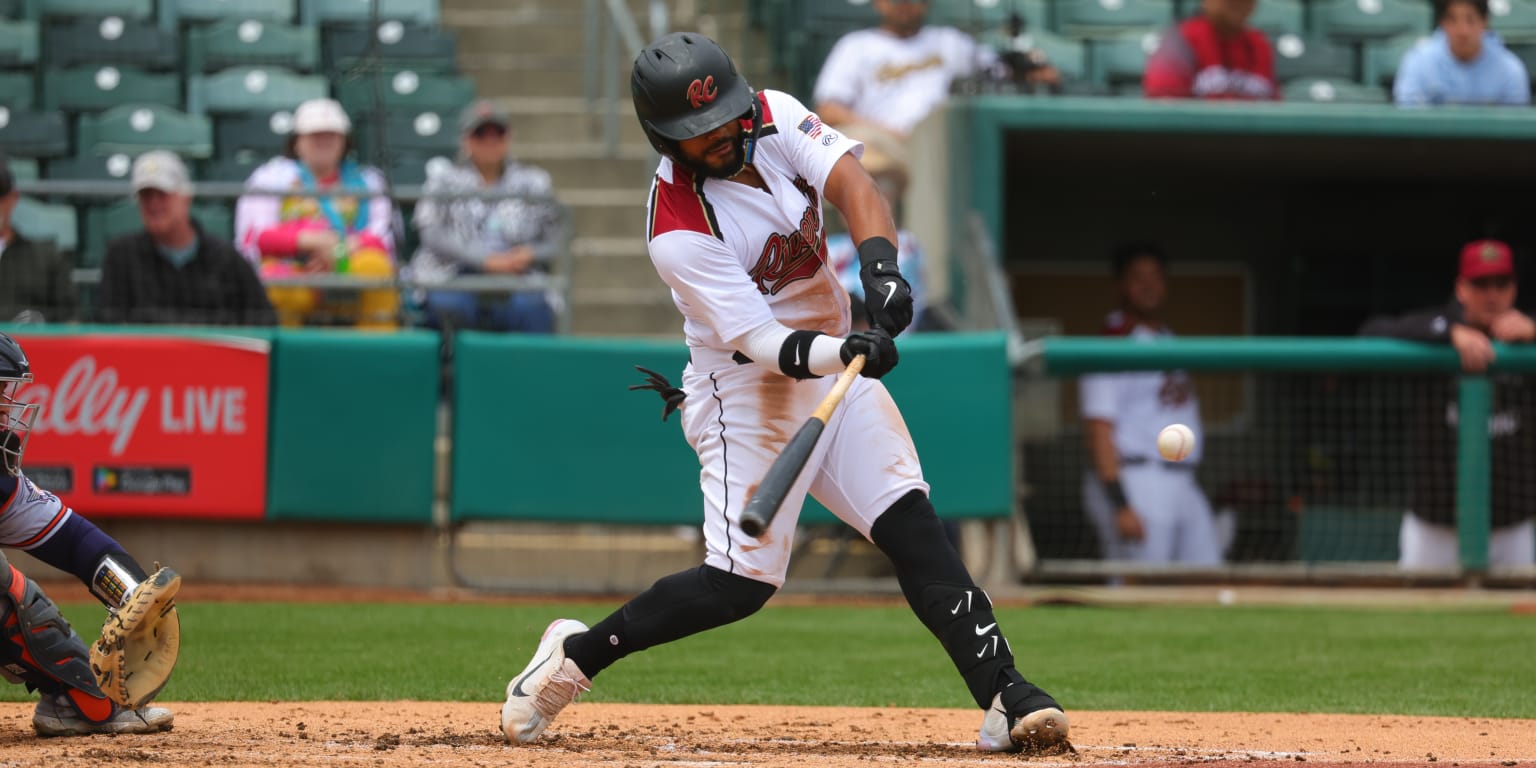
pixel 685 85
pixel 15 416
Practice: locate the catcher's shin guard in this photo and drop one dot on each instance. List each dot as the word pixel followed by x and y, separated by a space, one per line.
pixel 38 646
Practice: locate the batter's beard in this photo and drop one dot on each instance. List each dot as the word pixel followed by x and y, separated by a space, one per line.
pixel 725 170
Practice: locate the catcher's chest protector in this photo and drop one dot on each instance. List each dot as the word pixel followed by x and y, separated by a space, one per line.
pixel 38 646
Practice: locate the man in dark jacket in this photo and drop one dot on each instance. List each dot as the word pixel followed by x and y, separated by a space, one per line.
pixel 35 283
pixel 1483 311
pixel 173 271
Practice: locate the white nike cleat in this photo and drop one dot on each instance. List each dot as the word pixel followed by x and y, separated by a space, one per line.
pixel 1038 731
pixel 57 716
pixel 545 686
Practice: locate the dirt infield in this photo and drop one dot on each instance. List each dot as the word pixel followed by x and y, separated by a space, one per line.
pixel 392 734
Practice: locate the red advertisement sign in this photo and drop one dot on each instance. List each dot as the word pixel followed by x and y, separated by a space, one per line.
pixel 150 426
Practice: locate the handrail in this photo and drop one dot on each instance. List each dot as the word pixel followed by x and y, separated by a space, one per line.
pixel 611 21
pixel 1076 355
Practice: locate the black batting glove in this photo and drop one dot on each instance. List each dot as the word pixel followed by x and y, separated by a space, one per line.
pixel 671 396
pixel 878 349
pixel 887 295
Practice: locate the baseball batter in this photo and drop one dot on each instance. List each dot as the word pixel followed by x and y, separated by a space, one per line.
pixel 735 229
pixel 37 646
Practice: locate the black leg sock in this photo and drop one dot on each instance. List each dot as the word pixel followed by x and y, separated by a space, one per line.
pixel 674 607
pixel 948 602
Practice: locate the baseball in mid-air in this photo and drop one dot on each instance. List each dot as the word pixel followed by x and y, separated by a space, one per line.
pixel 1176 442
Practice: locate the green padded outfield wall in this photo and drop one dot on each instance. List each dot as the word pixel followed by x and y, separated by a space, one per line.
pixel 544 429
pixel 354 418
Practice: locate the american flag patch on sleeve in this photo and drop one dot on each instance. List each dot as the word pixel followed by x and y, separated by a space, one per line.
pixel 810 126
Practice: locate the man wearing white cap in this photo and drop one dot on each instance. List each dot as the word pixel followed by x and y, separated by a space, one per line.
pixel 299 231
pixel 173 271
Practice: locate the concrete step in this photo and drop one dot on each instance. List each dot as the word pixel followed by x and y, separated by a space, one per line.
pixel 608 213
pixel 596 275
pixel 625 314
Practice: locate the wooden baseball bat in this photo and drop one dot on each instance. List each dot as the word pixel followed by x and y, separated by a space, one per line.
pixel 770 494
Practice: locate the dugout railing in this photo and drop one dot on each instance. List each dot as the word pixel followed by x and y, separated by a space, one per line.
pixel 1314 450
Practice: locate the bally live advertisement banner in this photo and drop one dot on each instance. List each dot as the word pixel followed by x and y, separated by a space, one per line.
pixel 150 426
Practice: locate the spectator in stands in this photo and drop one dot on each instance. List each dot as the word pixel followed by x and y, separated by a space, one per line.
pixel 1482 311
pixel 173 271
pixel 1143 507
pixel 1463 62
pixel 35 284
pixel 512 236
pixel 292 232
pixel 1213 55
pixel 878 84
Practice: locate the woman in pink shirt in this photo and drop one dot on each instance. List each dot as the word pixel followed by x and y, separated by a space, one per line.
pixel 299 233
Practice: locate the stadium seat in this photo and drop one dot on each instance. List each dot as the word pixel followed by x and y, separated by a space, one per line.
pixel 410 169
pixel 1383 57
pixel 14 9
pixel 1295 57
pixel 173 13
pixel 1121 61
pixel 1110 18
pixel 252 138
pixel 319 12
pixel 103 223
pixel 1279 17
pixel 131 9
pixel 234 170
pixel 428 132
pixel 22 168
pixel 1321 89
pixel 90 167
pixel 134 129
pixel 252 89
pixel 394 46
pixel 986 16
pixel 251 43
pixel 109 40
pixel 1527 54
pixel 33 134
pixel 1068 56
pixel 95 88
pixel 18 43
pixel 1371 19
pixel 37 220
pixel 1513 20
pixel 17 90
pixel 405 90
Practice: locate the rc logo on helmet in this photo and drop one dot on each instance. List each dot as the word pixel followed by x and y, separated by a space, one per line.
pixel 701 92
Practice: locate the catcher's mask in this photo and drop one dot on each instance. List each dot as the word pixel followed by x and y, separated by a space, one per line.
pixel 685 85
pixel 15 416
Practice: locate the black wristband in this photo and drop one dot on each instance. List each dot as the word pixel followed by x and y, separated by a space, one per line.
pixel 795 354
pixel 875 250
pixel 1116 494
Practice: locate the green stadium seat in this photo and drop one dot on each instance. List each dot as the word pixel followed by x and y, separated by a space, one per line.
pixel 252 138
pixel 1279 17
pixel 1070 57
pixel 319 12
pixel 395 46
pixel 103 223
pixel 134 129
pixel 110 40
pixel 405 90
pixel 1323 89
pixel 15 9
pixel 22 168
pixel 1296 57
pixel 1371 19
pixel 89 167
pixel 95 88
pixel 1527 54
pixel 986 16
pixel 17 90
pixel 410 169
pixel 1110 18
pixel 429 132
pixel 1121 61
pixel 174 13
pixel 1513 20
pixel 252 89
pixel 18 43
pixel 132 9
pixel 1382 58
pixel 33 134
pixel 37 220
pixel 234 170
pixel 251 43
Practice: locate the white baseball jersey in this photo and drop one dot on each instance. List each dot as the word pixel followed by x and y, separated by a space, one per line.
pixel 30 515
pixel 896 81
pixel 737 257
pixel 1141 403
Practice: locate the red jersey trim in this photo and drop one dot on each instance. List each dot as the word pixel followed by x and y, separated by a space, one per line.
pixel 680 205
pixel 43 534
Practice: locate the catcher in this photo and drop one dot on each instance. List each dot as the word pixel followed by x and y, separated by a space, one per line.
pixel 106 689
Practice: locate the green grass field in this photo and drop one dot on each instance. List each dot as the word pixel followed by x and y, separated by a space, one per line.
pixel 1431 662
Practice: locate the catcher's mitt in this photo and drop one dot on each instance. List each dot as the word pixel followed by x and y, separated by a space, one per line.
pixel 140 642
